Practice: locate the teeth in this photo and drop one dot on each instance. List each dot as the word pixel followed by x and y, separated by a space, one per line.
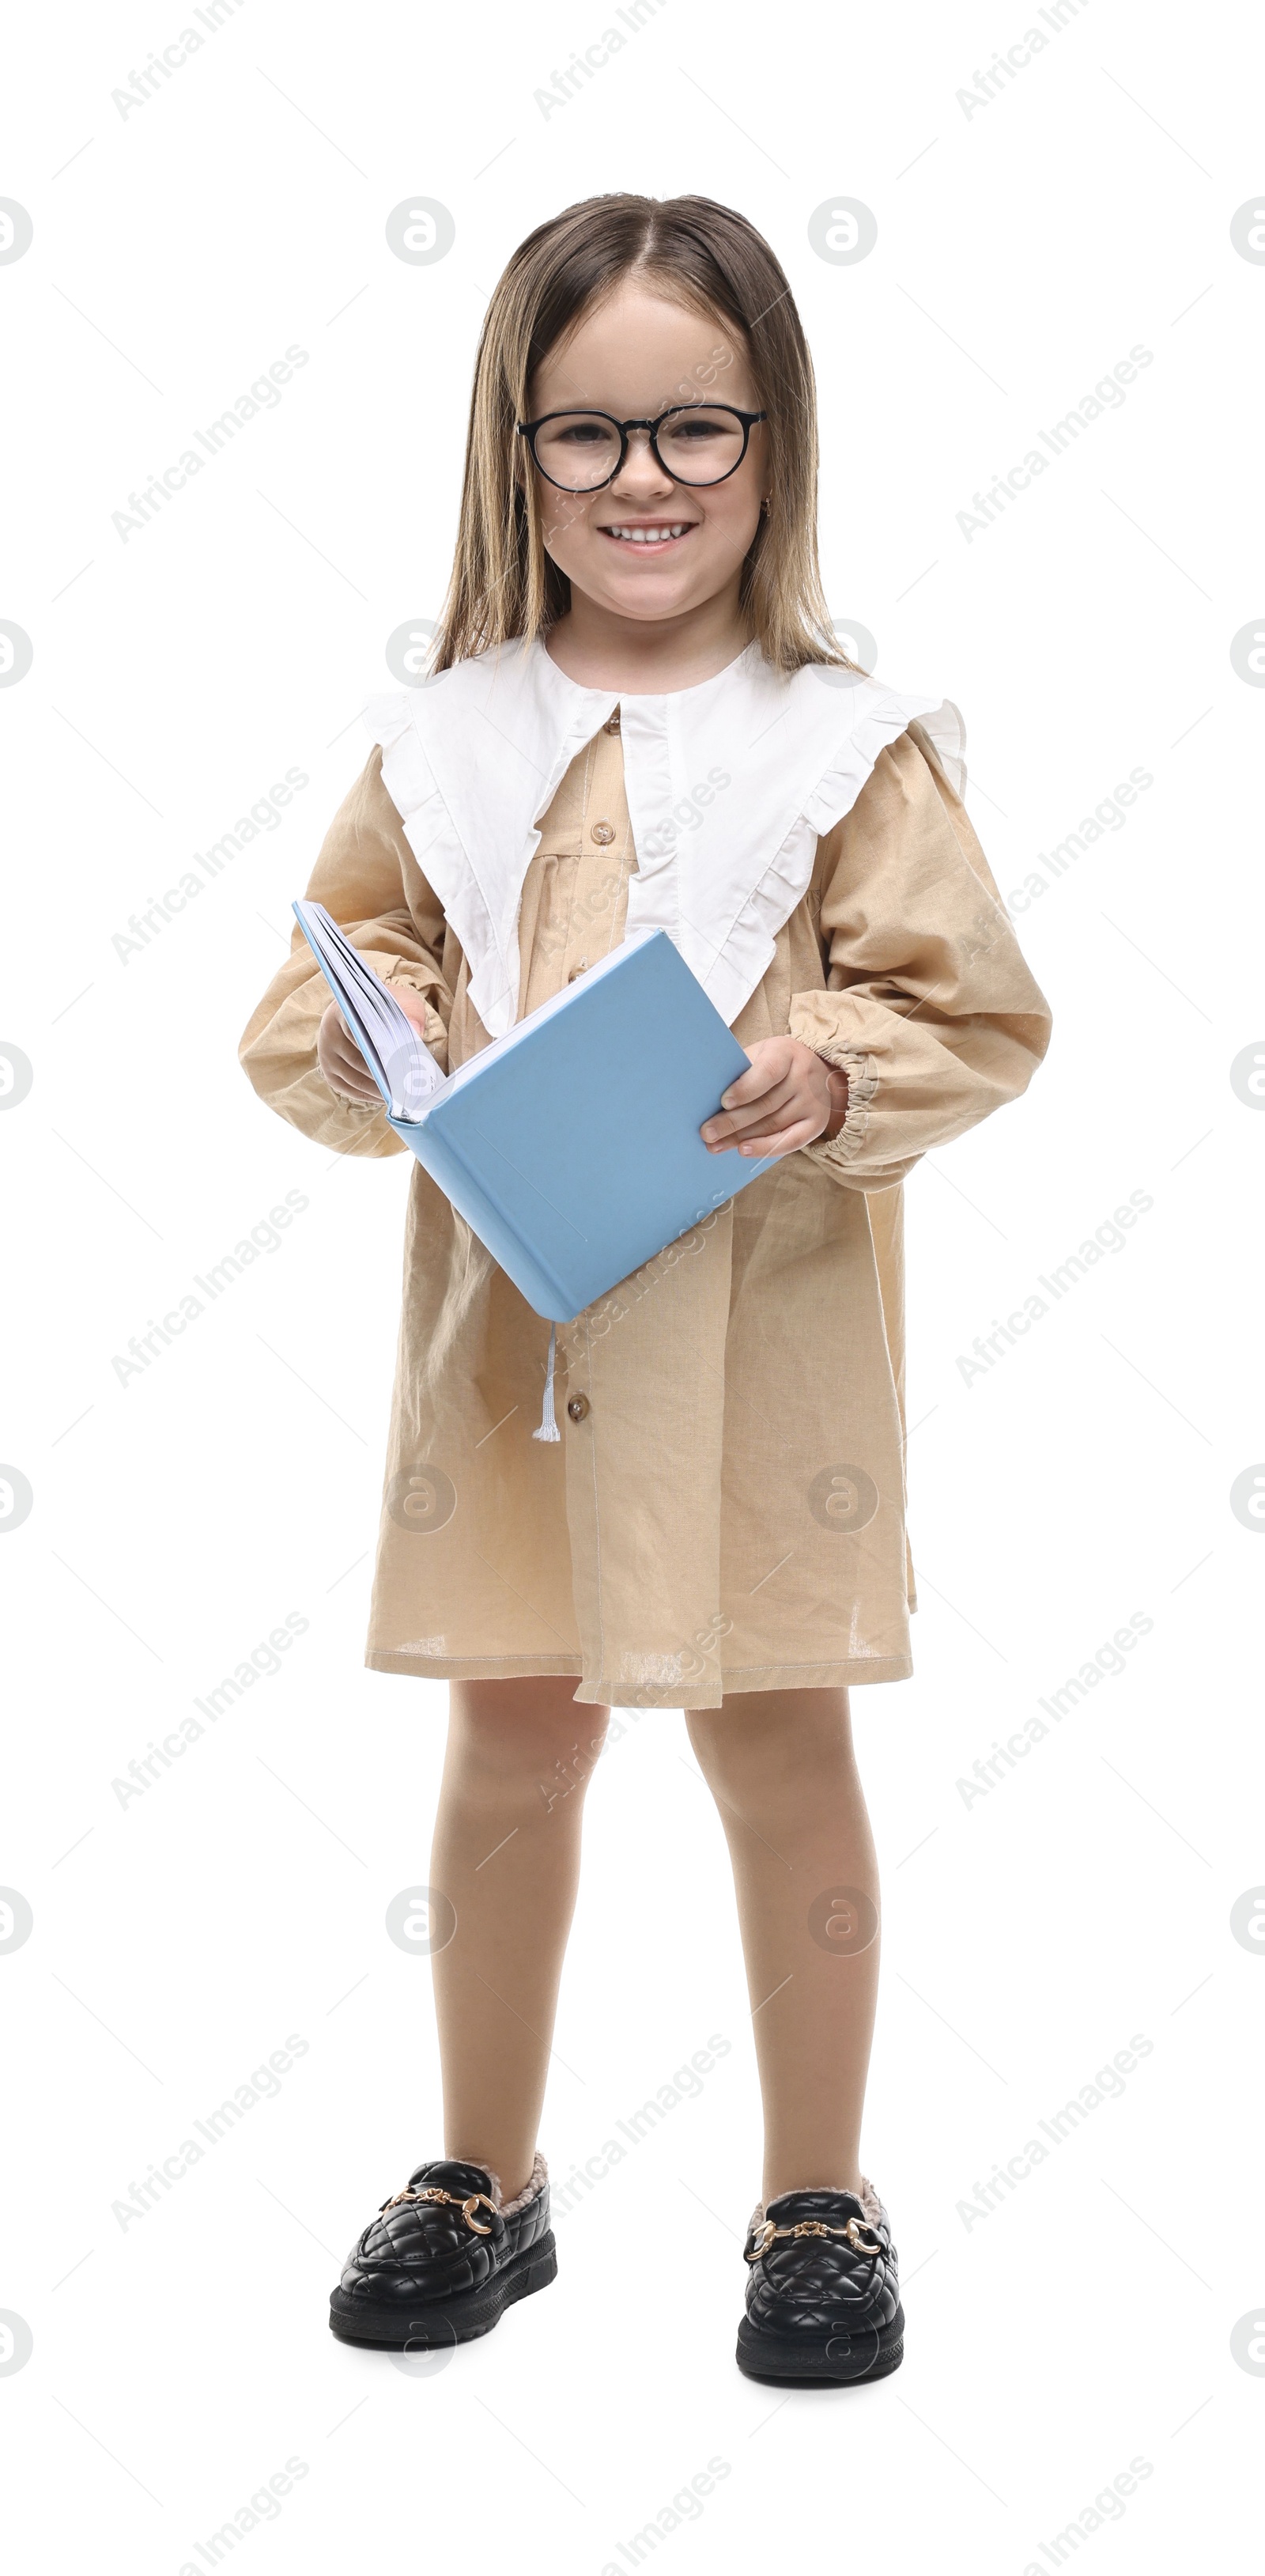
pixel 646 536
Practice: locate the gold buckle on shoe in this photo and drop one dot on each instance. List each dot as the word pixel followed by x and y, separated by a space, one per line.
pixel 433 2192
pixel 854 2233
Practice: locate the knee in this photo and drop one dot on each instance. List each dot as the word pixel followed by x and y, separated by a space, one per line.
pixel 732 1749
pixel 762 1741
pixel 532 1746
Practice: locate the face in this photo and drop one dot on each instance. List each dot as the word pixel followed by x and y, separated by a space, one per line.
pixel 648 546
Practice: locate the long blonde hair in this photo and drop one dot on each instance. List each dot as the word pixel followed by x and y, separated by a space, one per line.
pixel 504 584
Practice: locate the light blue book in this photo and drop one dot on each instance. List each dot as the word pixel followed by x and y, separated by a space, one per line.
pixel 570 1145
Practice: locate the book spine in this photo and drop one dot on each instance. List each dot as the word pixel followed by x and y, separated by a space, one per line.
pixel 447 1166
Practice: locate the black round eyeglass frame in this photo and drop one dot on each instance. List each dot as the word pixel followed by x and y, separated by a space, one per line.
pixel 527 429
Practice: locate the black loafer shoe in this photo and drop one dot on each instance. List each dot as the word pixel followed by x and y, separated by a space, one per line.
pixel 442 2259
pixel 823 2295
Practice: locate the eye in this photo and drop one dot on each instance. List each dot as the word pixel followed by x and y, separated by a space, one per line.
pixel 702 429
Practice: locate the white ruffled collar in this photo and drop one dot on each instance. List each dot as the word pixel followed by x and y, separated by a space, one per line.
pixel 729 784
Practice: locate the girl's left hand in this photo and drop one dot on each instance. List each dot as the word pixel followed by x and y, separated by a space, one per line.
pixel 789 1098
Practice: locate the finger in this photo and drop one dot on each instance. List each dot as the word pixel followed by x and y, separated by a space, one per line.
pixel 343 1059
pixel 336 1028
pixel 759 1077
pixel 344 1067
pixel 730 1123
pixel 786 1140
pixel 347 1055
pixel 331 1028
pixel 414 1005
pixel 794 1112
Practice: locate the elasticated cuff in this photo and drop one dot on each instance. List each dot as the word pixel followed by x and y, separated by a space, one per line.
pixel 862 1073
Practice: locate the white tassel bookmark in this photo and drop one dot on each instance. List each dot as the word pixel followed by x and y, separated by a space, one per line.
pixel 548 1419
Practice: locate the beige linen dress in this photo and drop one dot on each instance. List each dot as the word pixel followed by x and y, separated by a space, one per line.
pixel 725 1510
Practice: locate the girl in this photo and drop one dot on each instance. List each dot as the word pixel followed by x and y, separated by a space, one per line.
pixel 638 717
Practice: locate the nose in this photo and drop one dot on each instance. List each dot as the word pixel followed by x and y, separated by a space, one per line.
pixel 641 472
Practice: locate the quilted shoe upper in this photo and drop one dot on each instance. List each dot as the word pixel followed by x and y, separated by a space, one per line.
pixel 425 2250
pixel 820 2284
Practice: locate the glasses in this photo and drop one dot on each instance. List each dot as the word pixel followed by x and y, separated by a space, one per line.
pixel 580 451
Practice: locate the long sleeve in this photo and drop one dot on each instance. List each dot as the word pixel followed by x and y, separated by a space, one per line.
pixel 368 880
pixel 929 1006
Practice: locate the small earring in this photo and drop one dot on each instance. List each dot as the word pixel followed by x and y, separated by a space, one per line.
pixel 766 505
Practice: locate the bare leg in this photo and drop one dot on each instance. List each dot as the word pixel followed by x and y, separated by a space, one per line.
pixel 507 1855
pixel 781 1769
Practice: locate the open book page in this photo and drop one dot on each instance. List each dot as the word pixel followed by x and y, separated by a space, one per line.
pixel 401 1063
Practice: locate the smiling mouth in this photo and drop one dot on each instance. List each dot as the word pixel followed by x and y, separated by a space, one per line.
pixel 649 539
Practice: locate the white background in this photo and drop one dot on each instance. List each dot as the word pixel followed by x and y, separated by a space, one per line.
pixel 178 2362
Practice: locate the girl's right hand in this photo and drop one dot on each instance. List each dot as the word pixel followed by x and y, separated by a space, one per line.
pixel 340 1059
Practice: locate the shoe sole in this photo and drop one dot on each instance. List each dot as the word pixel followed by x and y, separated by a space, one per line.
pixel 445 2321
pixel 822 2361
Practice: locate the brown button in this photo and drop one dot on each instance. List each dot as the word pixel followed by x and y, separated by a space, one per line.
pixel 603 834
pixel 577 1407
pixel 612 723
pixel 577 970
